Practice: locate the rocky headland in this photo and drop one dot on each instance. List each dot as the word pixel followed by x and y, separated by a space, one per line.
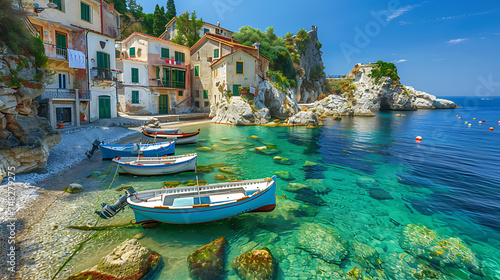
pixel 25 138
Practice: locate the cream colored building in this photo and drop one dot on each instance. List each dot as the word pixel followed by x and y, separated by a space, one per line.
pixel 171 31
pixel 161 82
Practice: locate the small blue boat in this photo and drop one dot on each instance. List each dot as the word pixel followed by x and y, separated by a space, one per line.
pixel 133 150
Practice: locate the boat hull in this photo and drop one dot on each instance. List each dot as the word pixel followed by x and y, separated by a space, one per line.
pixel 147 150
pixel 264 201
pixel 159 169
pixel 178 140
pixel 162 130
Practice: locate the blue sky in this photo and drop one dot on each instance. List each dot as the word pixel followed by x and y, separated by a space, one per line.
pixel 446 48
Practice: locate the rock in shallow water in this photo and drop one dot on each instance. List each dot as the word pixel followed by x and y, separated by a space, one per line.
pixel 129 261
pixel 207 262
pixel 285 175
pixel 73 188
pixel 380 194
pixel 258 264
pixel 322 242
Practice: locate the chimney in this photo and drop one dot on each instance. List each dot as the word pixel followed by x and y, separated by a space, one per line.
pixel 218 24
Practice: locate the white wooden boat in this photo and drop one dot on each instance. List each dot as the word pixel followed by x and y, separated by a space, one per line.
pixel 148 166
pixel 197 204
pixel 136 149
pixel 180 138
pixel 161 130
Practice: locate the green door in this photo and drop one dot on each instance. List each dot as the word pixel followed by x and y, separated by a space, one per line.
pixel 104 107
pixel 61 44
pixel 163 108
pixel 236 90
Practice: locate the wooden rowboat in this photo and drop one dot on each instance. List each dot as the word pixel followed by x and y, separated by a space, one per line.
pixel 197 204
pixel 136 149
pixel 148 166
pixel 161 130
pixel 180 138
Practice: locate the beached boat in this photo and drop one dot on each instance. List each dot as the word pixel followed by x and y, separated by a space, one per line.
pixel 180 138
pixel 148 166
pixel 136 149
pixel 161 130
pixel 197 204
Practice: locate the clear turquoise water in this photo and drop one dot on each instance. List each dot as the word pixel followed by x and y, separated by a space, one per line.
pixel 449 183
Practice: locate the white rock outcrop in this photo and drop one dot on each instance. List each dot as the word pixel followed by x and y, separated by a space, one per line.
pixel 303 118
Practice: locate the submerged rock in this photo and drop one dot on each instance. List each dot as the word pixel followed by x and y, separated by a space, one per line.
pixel 283 161
pixel 404 266
pixel 294 187
pixel 225 178
pixel 204 168
pixel 309 196
pixel 130 261
pixel 258 264
pixel 171 184
pixel 95 174
pixel 285 175
pixel 207 262
pixel 228 170
pixel 365 255
pixel 73 188
pixel 321 242
pixel 380 194
pixel 189 183
pixel 204 149
pixel 424 243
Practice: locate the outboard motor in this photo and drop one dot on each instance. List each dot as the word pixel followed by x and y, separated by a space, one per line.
pixel 109 211
pixel 95 146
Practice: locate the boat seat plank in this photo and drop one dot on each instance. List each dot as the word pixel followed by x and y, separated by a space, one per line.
pixel 183 201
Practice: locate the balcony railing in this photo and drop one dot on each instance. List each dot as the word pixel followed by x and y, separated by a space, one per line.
pixel 169 84
pixel 105 74
pixel 54 51
pixel 65 94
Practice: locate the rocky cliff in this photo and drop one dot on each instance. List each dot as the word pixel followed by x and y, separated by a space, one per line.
pixel 269 103
pixel 310 74
pixel 25 139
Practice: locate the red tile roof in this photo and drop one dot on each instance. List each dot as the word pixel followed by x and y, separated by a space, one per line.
pixel 154 38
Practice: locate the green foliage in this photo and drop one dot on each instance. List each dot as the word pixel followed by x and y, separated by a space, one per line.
pixel 16 37
pixel 171 12
pixel 288 35
pixel 187 29
pixel 120 6
pixel 318 45
pixel 385 69
pixel 281 81
pixel 159 21
pixel 317 72
pixel 272 46
pixel 405 91
pixel 302 39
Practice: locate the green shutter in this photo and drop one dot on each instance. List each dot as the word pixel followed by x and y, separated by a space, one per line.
pixel 166 77
pixel 205 94
pixel 176 56
pixel 61 40
pixel 239 67
pixel 135 97
pixel 181 57
pixel 135 75
pixel 58 3
pixel 157 72
pixel 216 53
pixel 85 11
pixel 197 71
pixel 206 31
pixel 180 92
pixel 131 51
pixel 165 53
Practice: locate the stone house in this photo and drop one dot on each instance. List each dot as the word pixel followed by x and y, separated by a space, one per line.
pixel 171 31
pixel 204 56
pixel 160 82
pixel 68 31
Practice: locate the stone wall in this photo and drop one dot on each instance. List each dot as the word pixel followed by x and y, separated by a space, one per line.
pixel 25 139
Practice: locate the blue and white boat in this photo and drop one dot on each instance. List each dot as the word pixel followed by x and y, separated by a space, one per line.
pixel 137 149
pixel 197 204
pixel 148 166
pixel 161 130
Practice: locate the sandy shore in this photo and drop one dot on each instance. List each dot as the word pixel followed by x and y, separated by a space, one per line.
pixel 36 192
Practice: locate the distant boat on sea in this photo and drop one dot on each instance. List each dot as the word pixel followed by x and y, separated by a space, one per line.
pixel 148 166
pixel 136 149
pixel 197 204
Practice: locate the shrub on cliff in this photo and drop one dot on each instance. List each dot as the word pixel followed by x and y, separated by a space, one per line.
pixel 302 39
pixel 384 69
pixel 16 37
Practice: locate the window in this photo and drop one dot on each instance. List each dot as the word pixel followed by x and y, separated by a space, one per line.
pixel 197 71
pixel 63 115
pixel 135 75
pixel 180 57
pixel 131 51
pixel 166 77
pixel 178 79
pixel 103 65
pixel 165 53
pixel 59 4
pixel 206 30
pixel 196 93
pixel 240 68
pixel 205 94
pixel 181 92
pixel 157 72
pixel 135 97
pixel 85 11
pixel 216 53
pixel 62 81
pixel 197 104
pixel 207 103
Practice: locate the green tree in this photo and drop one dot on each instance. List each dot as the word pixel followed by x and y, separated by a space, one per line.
pixel 288 35
pixel 385 69
pixel 120 6
pixel 171 12
pixel 302 39
pixel 159 21
pixel 188 29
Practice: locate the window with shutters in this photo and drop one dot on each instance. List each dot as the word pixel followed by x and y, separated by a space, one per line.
pixel 181 92
pixel 197 104
pixel 196 93
pixel 216 53
pixel 104 65
pixel 62 81
pixel 135 75
pixel 206 30
pixel 165 53
pixel 180 57
pixel 85 11
pixel 207 104
pixel 240 67
pixel 197 71
pixel 135 97
pixel 205 94
pixel 131 51
pixel 59 4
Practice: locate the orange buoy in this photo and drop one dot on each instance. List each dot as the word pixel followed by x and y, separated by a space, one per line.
pixel 480 122
pixel 470 125
pixel 474 118
pixel 466 122
pixel 491 128
pixel 419 139
pixel 458 116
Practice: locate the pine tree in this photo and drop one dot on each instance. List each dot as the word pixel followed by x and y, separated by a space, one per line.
pixel 171 12
pixel 120 6
pixel 157 22
pixel 187 29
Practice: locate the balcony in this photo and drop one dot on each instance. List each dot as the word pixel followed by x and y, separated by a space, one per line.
pixel 65 94
pixel 167 84
pixel 53 51
pixel 104 76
